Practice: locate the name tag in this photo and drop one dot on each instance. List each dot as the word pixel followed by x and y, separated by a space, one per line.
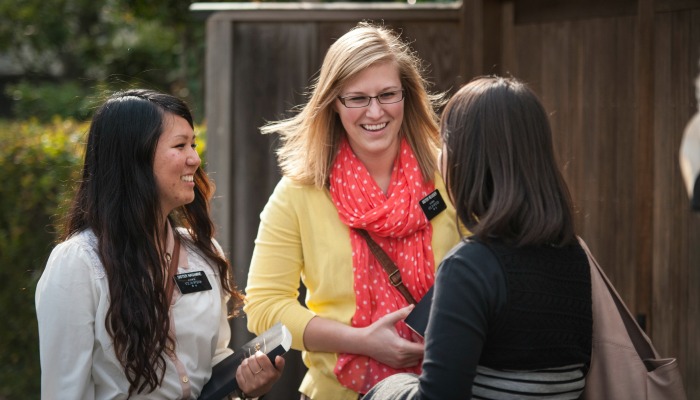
pixel 433 204
pixel 191 282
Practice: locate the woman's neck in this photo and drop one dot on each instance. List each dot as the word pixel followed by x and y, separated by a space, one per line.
pixel 379 163
pixel 166 235
pixel 380 169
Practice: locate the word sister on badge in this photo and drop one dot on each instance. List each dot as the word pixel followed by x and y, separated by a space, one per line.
pixel 191 282
pixel 433 204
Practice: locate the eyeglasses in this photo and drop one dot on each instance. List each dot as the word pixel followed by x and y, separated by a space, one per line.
pixel 392 97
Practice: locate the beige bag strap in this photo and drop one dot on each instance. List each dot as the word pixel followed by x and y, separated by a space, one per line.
pixel 641 341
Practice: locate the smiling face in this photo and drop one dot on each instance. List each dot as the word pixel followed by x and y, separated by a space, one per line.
pixel 373 131
pixel 175 163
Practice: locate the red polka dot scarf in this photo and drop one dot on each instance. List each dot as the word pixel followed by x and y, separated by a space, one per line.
pixel 395 221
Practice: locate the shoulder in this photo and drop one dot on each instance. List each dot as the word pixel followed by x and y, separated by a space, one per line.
pixel 289 194
pixel 475 259
pixel 287 186
pixel 188 242
pixel 473 252
pixel 73 268
pixel 472 277
pixel 440 184
pixel 77 253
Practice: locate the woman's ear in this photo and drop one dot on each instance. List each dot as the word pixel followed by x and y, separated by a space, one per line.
pixel 335 106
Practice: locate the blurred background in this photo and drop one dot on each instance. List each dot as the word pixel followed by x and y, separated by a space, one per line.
pixel 616 76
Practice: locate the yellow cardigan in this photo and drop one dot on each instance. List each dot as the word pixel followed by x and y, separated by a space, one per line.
pixel 301 236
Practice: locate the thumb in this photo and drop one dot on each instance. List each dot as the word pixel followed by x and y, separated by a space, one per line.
pixel 279 363
pixel 399 314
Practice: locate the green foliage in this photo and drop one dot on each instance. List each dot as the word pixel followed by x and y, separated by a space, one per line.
pixel 71 49
pixel 45 100
pixel 36 163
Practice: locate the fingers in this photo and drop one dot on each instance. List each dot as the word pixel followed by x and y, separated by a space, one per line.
pixel 399 314
pixel 255 363
pixel 414 348
pixel 417 338
pixel 256 374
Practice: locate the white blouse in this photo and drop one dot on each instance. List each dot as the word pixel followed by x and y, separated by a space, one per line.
pixel 77 356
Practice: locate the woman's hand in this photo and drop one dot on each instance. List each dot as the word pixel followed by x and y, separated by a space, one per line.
pixel 383 343
pixel 380 340
pixel 256 374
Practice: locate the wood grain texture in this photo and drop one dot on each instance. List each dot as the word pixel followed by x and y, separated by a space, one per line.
pixel 619 91
pixel 676 265
pixel 583 71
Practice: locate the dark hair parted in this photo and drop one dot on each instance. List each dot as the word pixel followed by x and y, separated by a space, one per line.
pixel 118 199
pixel 500 168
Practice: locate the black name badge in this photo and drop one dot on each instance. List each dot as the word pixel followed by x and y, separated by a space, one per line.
pixel 433 204
pixel 191 282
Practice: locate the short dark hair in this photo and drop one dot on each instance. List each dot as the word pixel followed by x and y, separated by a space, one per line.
pixel 500 170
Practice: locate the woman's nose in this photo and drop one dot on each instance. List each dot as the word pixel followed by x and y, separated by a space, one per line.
pixel 374 108
pixel 193 159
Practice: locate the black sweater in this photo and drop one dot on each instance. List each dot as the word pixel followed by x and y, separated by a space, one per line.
pixel 503 308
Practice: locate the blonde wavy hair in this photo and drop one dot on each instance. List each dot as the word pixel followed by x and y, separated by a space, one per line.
pixel 310 139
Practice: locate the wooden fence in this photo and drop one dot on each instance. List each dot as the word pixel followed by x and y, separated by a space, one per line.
pixel 616 76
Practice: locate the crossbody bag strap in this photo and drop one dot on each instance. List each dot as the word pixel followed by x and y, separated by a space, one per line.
pixel 389 267
pixel 640 340
pixel 174 260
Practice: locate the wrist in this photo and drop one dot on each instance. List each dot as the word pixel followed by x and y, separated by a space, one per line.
pixel 358 339
pixel 241 395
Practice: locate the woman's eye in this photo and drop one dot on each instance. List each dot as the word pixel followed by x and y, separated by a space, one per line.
pixel 387 95
pixel 358 99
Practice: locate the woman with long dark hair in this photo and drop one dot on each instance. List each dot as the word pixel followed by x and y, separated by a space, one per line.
pixel 511 316
pixel 134 301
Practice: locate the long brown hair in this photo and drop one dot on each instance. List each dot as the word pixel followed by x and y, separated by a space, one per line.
pixel 117 199
pixel 500 170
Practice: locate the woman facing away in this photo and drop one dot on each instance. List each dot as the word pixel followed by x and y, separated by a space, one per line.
pixel 133 302
pixel 361 153
pixel 511 316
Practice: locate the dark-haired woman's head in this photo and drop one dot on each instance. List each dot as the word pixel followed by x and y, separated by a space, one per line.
pixel 119 175
pixel 141 171
pixel 499 165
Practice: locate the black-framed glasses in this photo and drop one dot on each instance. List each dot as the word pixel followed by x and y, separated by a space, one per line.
pixel 390 97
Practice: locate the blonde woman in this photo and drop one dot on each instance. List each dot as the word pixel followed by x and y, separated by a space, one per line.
pixel 361 154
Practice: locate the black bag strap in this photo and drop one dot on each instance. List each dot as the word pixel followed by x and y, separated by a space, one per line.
pixel 389 267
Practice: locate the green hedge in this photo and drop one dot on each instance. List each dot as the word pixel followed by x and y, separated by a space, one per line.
pixel 39 163
pixel 36 163
pixel 47 100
